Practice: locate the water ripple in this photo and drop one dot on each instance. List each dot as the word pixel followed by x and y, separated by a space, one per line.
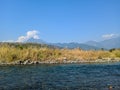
pixel 60 77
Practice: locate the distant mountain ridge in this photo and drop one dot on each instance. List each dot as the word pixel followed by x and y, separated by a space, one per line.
pixel 108 44
pixel 73 45
pixel 64 45
pixel 32 40
pixel 94 43
pixel 90 45
pixel 111 43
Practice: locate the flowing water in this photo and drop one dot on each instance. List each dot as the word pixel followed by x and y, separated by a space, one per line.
pixel 104 76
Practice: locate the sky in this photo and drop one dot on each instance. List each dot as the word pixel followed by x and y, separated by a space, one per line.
pixel 59 20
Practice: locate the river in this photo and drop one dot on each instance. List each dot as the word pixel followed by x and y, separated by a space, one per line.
pixel 61 77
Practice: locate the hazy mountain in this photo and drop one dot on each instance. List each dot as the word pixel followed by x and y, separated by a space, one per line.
pixel 111 43
pixel 108 44
pixel 32 40
pixel 94 43
pixel 64 45
pixel 76 45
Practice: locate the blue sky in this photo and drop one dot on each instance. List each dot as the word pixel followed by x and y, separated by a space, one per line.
pixel 60 20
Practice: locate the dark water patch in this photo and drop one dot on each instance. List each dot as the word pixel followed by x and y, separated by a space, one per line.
pixel 60 77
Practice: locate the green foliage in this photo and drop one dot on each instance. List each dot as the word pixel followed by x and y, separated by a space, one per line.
pixel 99 57
pixel 117 53
pixel 102 49
pixel 111 50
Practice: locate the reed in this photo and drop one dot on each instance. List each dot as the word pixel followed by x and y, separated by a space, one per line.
pixel 35 52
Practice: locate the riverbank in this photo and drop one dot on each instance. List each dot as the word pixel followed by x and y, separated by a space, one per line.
pixel 38 54
pixel 30 62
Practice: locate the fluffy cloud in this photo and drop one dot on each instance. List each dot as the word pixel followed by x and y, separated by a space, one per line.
pixel 109 36
pixel 29 34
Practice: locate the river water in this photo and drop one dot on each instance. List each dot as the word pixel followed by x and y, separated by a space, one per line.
pixel 61 77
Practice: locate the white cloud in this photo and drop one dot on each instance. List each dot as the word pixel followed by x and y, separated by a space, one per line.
pixel 29 34
pixel 109 36
pixel 21 39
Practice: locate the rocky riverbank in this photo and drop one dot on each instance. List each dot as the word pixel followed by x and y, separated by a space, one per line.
pixel 65 61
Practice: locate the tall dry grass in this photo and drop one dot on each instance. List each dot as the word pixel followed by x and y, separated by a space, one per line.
pixel 10 53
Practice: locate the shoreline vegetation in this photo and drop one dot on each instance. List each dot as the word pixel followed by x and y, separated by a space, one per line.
pixel 31 53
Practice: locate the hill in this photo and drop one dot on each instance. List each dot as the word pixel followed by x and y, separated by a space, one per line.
pixel 107 44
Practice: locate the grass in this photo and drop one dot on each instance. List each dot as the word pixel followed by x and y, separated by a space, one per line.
pixel 11 52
